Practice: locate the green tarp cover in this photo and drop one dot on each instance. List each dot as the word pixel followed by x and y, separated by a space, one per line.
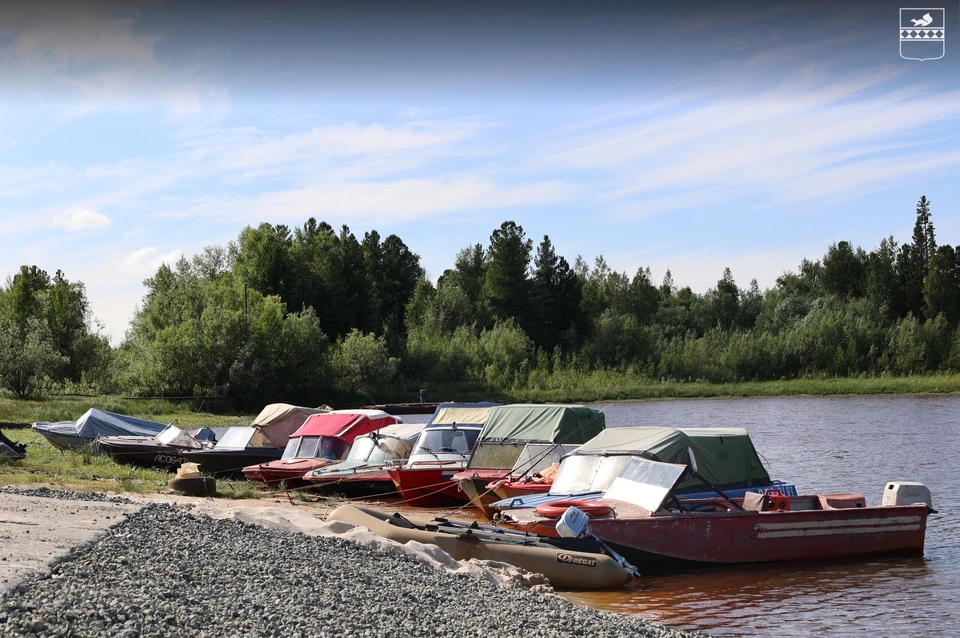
pixel 725 456
pixel 551 423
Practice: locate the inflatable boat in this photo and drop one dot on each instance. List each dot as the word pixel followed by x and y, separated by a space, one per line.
pixel 569 563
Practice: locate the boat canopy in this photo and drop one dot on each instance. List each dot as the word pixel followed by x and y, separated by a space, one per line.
pixel 549 423
pixel 346 425
pixel 465 414
pixel 278 421
pixel 724 456
pixel 96 423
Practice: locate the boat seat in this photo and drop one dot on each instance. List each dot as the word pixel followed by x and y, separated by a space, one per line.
pixel 842 501
pixel 805 503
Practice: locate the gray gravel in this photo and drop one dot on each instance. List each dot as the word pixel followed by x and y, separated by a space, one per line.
pixel 165 572
pixel 64 495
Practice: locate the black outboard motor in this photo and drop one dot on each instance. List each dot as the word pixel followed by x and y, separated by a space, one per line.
pixel 12 449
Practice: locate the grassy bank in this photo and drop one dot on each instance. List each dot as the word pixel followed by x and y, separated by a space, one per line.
pixel 47 466
pixel 613 386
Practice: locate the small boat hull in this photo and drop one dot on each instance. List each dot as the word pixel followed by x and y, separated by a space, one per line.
pixel 666 540
pixel 289 472
pixel 427 487
pixel 474 483
pixel 566 568
pixel 142 454
pixel 370 483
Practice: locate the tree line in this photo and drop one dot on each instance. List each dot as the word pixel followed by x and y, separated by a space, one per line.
pixel 311 312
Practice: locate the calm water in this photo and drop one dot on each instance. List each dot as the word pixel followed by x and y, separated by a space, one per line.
pixel 836 444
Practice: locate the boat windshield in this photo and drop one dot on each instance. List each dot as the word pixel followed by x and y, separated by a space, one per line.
pixel 645 483
pixel 236 438
pixel 435 440
pixel 315 447
pixel 582 473
pixel 539 456
pixel 173 435
pixel 362 448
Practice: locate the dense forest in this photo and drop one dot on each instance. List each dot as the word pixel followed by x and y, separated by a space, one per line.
pixel 307 313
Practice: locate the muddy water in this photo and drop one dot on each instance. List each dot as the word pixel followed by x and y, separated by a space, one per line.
pixel 833 444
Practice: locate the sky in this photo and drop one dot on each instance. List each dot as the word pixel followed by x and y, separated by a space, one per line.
pixel 692 136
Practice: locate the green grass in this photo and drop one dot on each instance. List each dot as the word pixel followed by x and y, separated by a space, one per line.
pixel 47 466
pixel 620 386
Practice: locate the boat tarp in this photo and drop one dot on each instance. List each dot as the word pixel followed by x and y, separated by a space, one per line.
pixel 96 423
pixel 346 425
pixel 278 421
pixel 725 456
pixel 461 414
pixel 551 423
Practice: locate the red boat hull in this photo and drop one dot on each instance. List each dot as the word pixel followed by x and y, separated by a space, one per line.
pixel 698 538
pixel 275 472
pixel 428 487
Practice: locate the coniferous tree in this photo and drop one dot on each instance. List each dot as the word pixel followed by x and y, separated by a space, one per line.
pixel 941 290
pixel 557 295
pixel 506 282
pixel 919 254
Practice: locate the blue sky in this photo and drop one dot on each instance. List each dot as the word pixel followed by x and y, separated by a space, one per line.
pixel 747 135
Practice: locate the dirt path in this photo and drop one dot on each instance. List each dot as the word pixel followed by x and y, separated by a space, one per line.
pixel 36 530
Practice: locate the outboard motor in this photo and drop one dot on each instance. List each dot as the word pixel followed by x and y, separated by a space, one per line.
pixel 573 524
pixel 906 493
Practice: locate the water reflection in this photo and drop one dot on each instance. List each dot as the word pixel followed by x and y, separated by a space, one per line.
pixel 823 444
pixel 765 600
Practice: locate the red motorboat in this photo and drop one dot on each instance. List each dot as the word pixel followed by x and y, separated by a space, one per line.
pixel 321 440
pixel 766 527
pixel 443 449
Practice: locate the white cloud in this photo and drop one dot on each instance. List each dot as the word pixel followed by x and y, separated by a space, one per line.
pixel 806 139
pixel 374 202
pixel 81 219
pixel 147 260
pixel 349 139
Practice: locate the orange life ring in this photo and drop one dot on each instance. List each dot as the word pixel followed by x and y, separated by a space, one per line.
pixel 555 509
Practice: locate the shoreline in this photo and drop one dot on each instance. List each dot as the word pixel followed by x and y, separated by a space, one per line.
pixel 165 569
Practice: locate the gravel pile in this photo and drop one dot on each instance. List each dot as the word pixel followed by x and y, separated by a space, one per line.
pixel 165 572
pixel 64 495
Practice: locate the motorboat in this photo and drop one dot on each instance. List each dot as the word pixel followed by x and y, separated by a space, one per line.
pixel 260 442
pixel 508 429
pixel 725 457
pixel 444 448
pixel 321 440
pixel 569 563
pixel 362 472
pixel 641 518
pixel 75 435
pixel 164 451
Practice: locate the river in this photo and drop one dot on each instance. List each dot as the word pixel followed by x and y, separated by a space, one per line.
pixel 823 444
